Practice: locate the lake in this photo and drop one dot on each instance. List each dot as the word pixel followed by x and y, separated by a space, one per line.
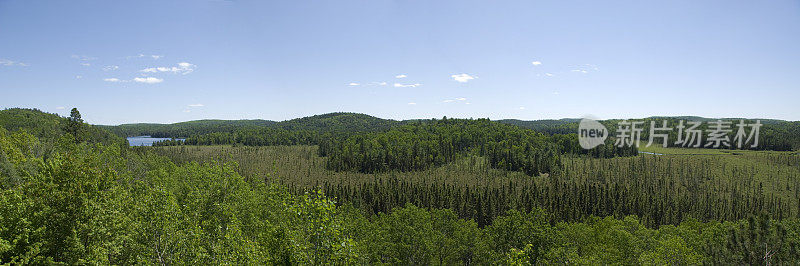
pixel 145 140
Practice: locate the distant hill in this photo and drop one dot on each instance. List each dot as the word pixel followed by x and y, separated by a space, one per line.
pixel 47 126
pixel 776 134
pixel 706 119
pixel 570 125
pixel 338 122
pixel 335 122
pixel 185 129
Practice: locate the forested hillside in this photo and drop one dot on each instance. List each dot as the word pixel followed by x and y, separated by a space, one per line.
pixel 71 197
pixel 185 129
pixel 51 126
pixel 338 123
pixel 332 122
pixel 307 130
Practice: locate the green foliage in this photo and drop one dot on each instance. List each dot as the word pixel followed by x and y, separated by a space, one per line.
pixel 657 189
pixel 412 235
pixel 671 251
pixel 317 235
pixel 84 203
pixel 424 144
pixel 51 127
pixel 95 204
pixel 529 232
pixel 367 144
pixel 70 197
pixel 74 124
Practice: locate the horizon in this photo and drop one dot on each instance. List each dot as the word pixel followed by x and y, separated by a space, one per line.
pixel 492 119
pixel 167 62
pixel 428 118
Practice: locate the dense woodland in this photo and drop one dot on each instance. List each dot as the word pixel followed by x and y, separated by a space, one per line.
pixel 447 191
pixel 424 144
pixel 659 189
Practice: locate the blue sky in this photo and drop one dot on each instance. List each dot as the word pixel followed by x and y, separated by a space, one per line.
pixel 170 61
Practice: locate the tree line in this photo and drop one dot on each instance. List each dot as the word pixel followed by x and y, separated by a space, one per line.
pixel 775 135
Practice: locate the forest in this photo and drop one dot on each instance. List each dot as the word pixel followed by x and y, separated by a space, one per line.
pixel 346 188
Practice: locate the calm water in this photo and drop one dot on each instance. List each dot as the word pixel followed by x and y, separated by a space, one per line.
pixel 145 140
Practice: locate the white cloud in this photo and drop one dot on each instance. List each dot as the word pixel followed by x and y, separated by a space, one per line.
pixel 555 93
pixel 467 103
pixel 461 99
pixel 196 105
pixel 548 74
pixel 585 68
pixel 412 103
pixel 83 57
pixel 400 76
pixel 182 68
pixel 78 77
pixel 110 68
pixel 398 85
pixel 522 107
pixel 187 111
pixel 155 57
pixel 6 62
pixel 148 80
pixel 463 78
pixel 536 63
pixel 374 83
pixel 86 64
pixel 61 108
